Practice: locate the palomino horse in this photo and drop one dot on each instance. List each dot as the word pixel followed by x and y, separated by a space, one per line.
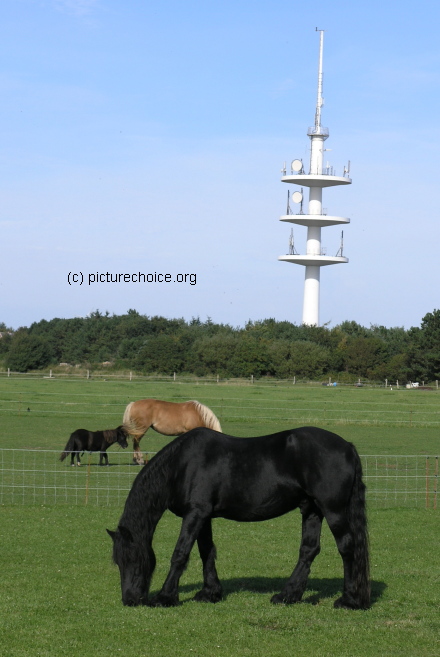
pixel 168 418
pixel 204 475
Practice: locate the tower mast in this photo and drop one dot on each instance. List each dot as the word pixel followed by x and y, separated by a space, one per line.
pixel 315 180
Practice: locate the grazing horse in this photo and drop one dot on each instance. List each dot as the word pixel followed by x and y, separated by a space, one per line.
pixel 82 440
pixel 168 418
pixel 204 474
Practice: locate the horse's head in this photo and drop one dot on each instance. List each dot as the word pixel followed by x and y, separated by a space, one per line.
pixel 121 437
pixel 136 564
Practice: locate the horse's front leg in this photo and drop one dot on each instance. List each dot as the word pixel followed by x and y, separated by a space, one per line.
pixel 212 590
pixel 168 596
pixel 103 457
pixel 138 457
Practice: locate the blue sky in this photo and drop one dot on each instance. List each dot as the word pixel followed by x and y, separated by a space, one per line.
pixel 149 137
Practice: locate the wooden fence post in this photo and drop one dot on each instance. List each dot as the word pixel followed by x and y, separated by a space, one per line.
pixel 88 479
pixel 427 482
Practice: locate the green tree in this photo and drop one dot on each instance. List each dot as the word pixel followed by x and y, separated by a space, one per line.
pixel 430 329
pixel 394 369
pixel 5 342
pixel 424 349
pixel 164 354
pixel 363 354
pixel 250 357
pixel 28 352
pixel 353 329
pixel 301 358
pixel 212 354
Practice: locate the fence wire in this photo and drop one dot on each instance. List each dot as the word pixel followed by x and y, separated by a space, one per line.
pixel 39 477
pixel 401 480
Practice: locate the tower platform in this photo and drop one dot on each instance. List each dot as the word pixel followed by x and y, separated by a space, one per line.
pixel 314 219
pixel 313 260
pixel 316 179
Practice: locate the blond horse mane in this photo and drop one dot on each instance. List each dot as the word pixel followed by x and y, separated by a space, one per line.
pixel 209 418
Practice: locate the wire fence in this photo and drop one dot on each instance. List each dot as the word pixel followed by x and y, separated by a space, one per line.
pixel 72 373
pixel 401 411
pixel 38 477
pixel 401 480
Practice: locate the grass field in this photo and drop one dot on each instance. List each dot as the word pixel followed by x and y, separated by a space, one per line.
pixel 61 593
pixel 378 420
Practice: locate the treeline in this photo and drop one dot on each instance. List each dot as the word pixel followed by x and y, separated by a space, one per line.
pixel 262 348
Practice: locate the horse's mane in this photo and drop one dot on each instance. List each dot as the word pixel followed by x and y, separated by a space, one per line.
pixel 148 497
pixel 209 418
pixel 110 435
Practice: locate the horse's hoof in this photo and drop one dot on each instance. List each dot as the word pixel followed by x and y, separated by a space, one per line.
pixel 346 603
pixel 277 599
pixel 208 596
pixel 163 601
pixel 280 599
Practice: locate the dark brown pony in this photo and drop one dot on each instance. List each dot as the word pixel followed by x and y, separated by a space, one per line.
pixel 82 440
pixel 168 418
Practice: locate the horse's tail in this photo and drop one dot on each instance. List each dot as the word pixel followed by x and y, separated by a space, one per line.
pixel 209 418
pixel 357 518
pixel 129 424
pixel 68 448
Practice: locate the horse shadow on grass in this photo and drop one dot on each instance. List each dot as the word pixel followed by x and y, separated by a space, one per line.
pixel 318 589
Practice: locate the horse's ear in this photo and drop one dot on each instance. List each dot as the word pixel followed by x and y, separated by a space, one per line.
pixel 125 533
pixel 111 534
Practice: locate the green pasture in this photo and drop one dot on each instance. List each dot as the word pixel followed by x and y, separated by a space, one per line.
pixel 61 593
pixel 41 413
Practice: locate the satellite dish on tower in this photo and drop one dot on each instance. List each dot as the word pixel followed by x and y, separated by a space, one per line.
pixel 297 165
pixel 297 197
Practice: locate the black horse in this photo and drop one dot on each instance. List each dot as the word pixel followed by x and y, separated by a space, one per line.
pixel 81 441
pixel 204 474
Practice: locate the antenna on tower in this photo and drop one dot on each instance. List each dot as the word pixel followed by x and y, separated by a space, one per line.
pixel 341 248
pixel 292 244
pixel 302 200
pixel 319 99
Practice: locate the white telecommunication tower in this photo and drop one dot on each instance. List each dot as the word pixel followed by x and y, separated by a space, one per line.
pixel 316 218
